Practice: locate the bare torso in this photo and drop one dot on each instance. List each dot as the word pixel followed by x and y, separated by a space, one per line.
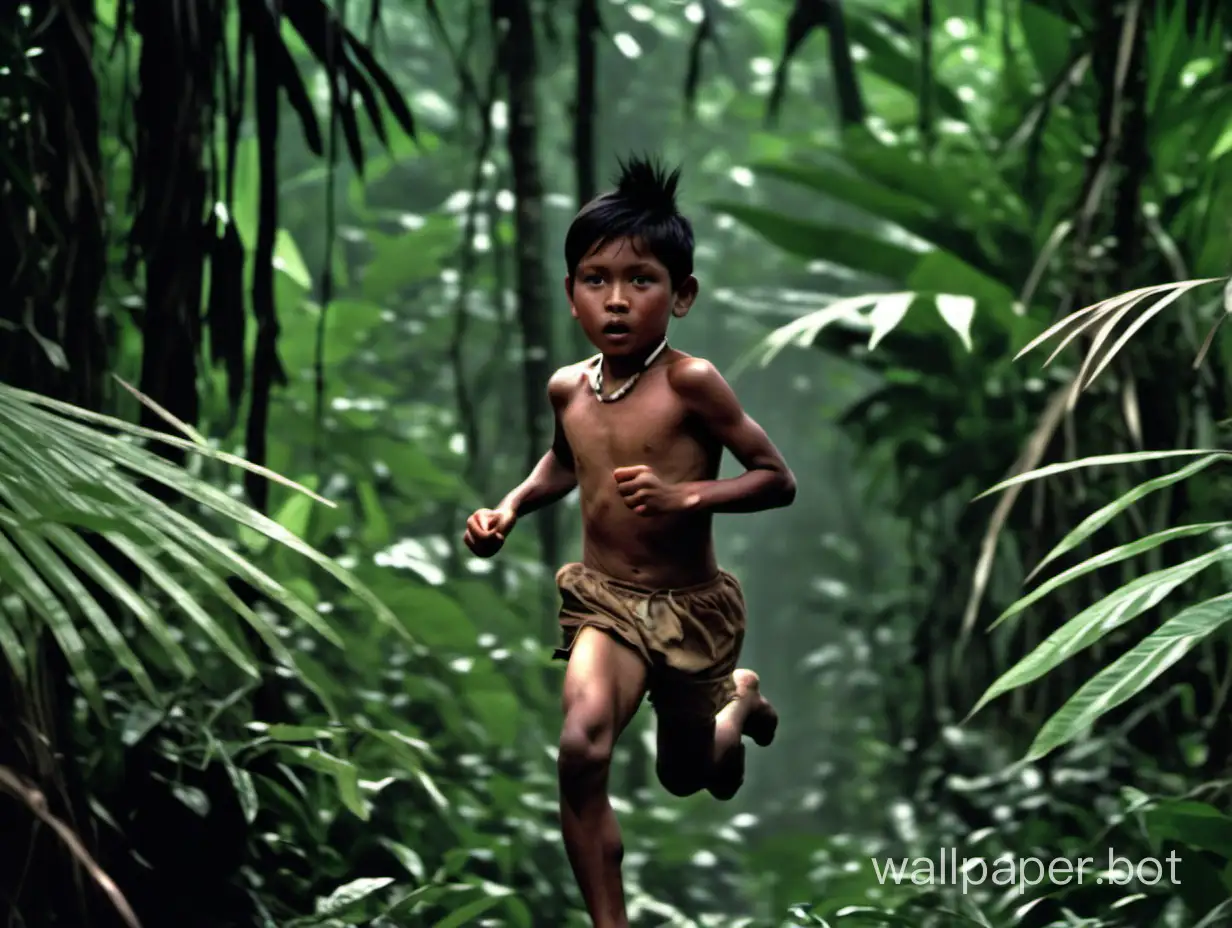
pixel 650 425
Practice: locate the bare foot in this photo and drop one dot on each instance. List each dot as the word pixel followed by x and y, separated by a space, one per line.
pixel 762 720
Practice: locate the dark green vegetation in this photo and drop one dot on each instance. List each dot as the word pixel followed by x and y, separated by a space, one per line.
pixel 328 242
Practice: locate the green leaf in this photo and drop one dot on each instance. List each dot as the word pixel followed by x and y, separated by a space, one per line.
pixel 54 571
pixel 1101 460
pixel 17 573
pixel 1097 620
pixel 469 912
pixel 893 63
pixel 942 272
pixel 916 216
pixel 159 576
pixel 345 774
pixel 410 860
pixel 498 711
pixel 837 244
pixel 241 781
pixel 288 259
pixel 1105 514
pixel 431 616
pixel 89 561
pixel 1132 672
pixel 412 258
pixel 1193 824
pixel 349 895
pixel 1048 38
pixel 1112 556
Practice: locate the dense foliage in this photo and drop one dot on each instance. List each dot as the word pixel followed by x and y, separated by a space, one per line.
pixel 290 269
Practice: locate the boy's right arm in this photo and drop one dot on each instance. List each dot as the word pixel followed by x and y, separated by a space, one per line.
pixel 552 479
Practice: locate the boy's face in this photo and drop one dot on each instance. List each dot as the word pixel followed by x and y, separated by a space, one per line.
pixel 622 296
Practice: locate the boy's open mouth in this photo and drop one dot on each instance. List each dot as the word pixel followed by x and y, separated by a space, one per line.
pixel 616 328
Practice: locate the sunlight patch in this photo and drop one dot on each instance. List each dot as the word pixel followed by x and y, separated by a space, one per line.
pixel 627 45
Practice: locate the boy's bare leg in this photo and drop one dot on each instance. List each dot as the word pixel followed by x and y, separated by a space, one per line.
pixel 750 714
pixel 604 684
pixel 696 753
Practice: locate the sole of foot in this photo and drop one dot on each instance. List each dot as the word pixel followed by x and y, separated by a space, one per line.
pixel 762 722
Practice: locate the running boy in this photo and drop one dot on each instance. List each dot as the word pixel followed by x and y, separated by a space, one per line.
pixel 641 429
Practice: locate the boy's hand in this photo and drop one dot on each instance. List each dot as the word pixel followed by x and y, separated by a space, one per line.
pixel 486 530
pixel 645 492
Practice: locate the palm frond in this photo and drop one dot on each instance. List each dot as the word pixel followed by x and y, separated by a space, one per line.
pixel 64 478
pixel 1100 320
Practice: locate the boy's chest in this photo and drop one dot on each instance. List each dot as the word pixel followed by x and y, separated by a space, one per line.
pixel 633 430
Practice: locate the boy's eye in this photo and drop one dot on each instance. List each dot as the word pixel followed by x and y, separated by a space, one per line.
pixel 592 279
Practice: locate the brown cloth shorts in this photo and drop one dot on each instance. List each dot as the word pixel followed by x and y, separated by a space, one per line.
pixel 690 637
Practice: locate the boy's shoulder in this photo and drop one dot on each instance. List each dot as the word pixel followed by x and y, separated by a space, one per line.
pixel 689 372
pixel 568 379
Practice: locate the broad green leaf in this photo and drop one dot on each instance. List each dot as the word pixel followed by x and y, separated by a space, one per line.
pixel 409 259
pixel 350 894
pixel 288 259
pixel 916 216
pixel 1111 556
pixel 1097 620
pixel 431 616
pixel 1105 514
pixel 896 64
pixel 498 711
pixel 1132 672
pixel 466 914
pixel 1194 824
pixel 1048 38
pixel 839 245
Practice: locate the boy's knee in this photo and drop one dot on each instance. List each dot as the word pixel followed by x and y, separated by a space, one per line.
pixel 585 748
pixel 681 779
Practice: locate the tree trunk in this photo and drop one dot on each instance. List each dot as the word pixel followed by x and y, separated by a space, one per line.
pixel 512 21
pixel 585 113
pixel 53 259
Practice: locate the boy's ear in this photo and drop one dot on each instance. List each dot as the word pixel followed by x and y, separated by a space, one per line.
pixel 569 294
pixel 686 293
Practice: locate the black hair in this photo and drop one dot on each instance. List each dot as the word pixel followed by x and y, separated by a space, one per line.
pixel 642 206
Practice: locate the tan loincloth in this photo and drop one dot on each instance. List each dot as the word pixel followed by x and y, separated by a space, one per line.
pixel 690 638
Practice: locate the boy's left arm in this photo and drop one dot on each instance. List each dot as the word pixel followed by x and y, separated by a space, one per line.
pixel 767 482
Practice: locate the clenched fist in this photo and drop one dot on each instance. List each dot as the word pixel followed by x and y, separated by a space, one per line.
pixel 646 493
pixel 487 529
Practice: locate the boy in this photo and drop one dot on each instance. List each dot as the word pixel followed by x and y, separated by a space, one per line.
pixel 641 429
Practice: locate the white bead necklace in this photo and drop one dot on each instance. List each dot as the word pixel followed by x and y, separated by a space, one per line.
pixel 596 380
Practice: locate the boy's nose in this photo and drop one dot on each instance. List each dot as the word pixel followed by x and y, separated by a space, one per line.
pixel 617 305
